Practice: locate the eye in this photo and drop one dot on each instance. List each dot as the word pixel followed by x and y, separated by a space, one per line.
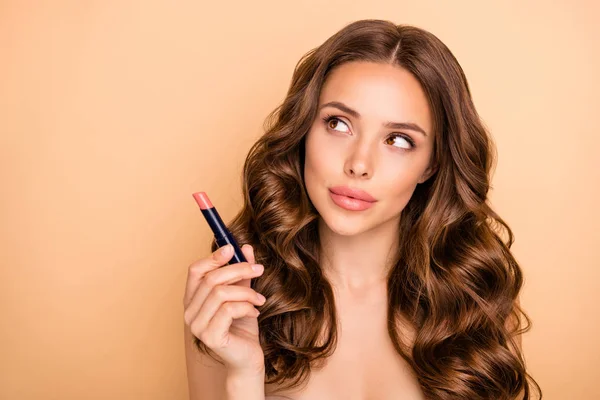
pixel 334 122
pixel 401 141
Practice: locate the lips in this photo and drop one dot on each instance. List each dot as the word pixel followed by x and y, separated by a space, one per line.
pixel 353 193
pixel 351 199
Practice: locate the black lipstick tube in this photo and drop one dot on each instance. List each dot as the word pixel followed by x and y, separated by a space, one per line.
pixel 222 234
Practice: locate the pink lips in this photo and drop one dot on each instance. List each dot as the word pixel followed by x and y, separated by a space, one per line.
pixel 351 199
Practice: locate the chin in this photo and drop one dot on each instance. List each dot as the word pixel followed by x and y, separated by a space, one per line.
pixel 343 225
pixel 338 221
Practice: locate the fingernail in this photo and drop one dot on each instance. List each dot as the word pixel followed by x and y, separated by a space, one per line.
pixel 226 249
pixel 257 267
pixel 261 298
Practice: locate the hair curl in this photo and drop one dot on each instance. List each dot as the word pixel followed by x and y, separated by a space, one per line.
pixel 455 279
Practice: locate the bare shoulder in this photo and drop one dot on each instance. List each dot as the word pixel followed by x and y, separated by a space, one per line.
pixel 206 377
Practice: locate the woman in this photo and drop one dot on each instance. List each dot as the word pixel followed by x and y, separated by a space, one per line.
pixel 383 266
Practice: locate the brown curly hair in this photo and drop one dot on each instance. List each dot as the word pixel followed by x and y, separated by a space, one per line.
pixel 455 279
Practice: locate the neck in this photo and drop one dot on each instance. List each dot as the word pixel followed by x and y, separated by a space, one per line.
pixel 358 262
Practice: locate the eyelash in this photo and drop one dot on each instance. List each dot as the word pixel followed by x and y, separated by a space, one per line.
pixel 328 118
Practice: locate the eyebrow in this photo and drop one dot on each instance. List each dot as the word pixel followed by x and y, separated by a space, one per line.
pixel 393 125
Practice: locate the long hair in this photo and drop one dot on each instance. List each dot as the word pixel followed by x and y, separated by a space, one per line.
pixel 454 280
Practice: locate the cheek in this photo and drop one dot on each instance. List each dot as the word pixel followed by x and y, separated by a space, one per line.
pixel 400 178
pixel 320 157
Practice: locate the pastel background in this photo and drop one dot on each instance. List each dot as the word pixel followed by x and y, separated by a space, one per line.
pixel 113 112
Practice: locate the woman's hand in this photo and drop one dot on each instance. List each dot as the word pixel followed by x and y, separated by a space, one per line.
pixel 220 309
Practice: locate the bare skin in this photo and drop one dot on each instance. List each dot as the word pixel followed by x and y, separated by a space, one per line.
pixel 356 151
pixel 359 152
pixel 365 364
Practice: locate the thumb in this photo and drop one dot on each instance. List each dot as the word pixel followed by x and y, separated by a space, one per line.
pixel 249 254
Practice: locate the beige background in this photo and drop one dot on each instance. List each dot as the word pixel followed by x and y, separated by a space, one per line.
pixel 113 112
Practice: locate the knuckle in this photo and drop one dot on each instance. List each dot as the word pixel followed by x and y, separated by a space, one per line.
pixel 193 271
pixel 196 269
pixel 220 292
pixel 197 265
pixel 193 265
pixel 187 318
pixel 205 338
pixel 198 331
pixel 210 280
pixel 228 307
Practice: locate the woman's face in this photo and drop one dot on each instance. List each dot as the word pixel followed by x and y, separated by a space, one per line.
pixel 349 146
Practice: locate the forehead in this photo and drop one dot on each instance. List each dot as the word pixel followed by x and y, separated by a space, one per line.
pixel 377 91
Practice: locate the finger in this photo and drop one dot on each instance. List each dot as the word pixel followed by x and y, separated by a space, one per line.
pixel 230 274
pixel 248 251
pixel 198 269
pixel 219 296
pixel 217 332
pixel 223 276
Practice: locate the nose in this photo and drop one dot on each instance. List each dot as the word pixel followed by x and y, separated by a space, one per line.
pixel 359 163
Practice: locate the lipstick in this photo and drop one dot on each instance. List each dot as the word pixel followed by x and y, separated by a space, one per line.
pixel 351 199
pixel 349 203
pixel 222 234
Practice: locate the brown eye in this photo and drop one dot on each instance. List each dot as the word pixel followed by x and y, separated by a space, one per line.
pixel 333 123
pixel 400 141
